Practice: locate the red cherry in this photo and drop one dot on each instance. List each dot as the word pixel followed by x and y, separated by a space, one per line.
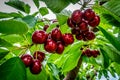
pixel 56 34
pixel 39 55
pixel 90 35
pixel 95 22
pixel 83 26
pixel 67 38
pixel 45 27
pixel 35 67
pixel 89 14
pixel 60 47
pixel 75 30
pixel 76 16
pixel 88 52
pixel 50 46
pixel 70 23
pixel 79 37
pixel 39 37
pixel 27 59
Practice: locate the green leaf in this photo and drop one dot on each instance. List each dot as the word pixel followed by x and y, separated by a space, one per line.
pixel 4 43
pixel 43 11
pixel 107 18
pixel 63 16
pixel 113 6
pixel 30 20
pixel 13 69
pixel 72 58
pixel 12 38
pixel 58 5
pixel 36 2
pixel 13 27
pixel 105 57
pixel 19 5
pixel 111 53
pixel 3 52
pixel 41 76
pixel 8 15
pixel 113 40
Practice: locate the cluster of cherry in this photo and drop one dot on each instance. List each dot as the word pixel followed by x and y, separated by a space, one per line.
pixel 82 24
pixel 54 41
pixel 90 53
pixel 35 62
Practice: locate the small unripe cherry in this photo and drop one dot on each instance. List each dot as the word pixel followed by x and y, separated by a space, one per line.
pixel 76 16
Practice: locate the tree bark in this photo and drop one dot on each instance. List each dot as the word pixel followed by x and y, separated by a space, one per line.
pixel 73 73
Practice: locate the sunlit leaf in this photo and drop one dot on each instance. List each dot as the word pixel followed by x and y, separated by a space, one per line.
pixel 13 27
pixel 20 5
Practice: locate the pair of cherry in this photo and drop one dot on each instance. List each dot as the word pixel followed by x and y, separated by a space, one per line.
pixel 35 62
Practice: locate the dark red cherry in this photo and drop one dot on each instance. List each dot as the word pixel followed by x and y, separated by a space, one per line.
pixel 95 22
pixel 88 52
pixel 39 55
pixel 27 59
pixel 67 38
pixel 45 27
pixel 56 34
pixel 39 37
pixel 70 23
pixel 83 26
pixel 36 67
pixel 89 14
pixel 60 47
pixel 79 37
pixel 90 35
pixel 50 45
pixel 76 16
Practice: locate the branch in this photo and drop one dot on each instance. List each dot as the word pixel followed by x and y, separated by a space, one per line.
pixel 73 73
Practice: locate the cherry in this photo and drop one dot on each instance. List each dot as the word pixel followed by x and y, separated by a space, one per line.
pixel 56 34
pixel 79 37
pixel 95 53
pixel 50 45
pixel 75 30
pixel 27 59
pixel 76 16
pixel 95 22
pixel 67 38
pixel 89 14
pixel 90 35
pixel 35 67
pixel 45 27
pixel 60 47
pixel 39 37
pixel 83 26
pixel 39 55
pixel 70 23
pixel 88 52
